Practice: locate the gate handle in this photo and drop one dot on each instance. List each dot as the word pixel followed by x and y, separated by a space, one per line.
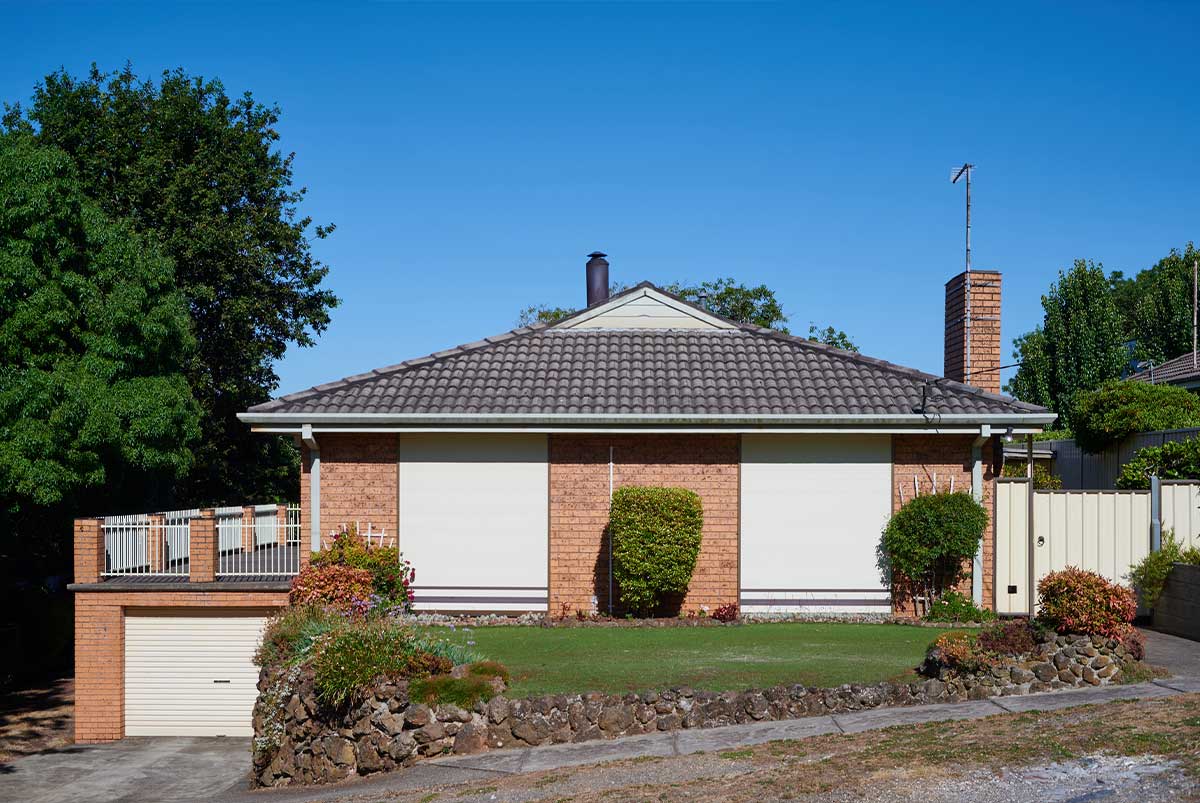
pixel 220 681
pixel 1041 540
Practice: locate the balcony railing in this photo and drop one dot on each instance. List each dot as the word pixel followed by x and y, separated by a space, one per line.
pixel 245 542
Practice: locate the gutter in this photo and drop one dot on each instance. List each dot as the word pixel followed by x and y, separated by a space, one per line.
pixel 376 419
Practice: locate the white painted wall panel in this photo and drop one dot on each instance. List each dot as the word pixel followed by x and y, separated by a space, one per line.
pixel 474 520
pixel 813 508
pixel 188 675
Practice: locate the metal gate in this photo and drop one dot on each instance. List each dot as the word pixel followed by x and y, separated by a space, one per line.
pixel 1041 531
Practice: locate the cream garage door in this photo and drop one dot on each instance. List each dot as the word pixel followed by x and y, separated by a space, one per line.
pixel 813 508
pixel 191 674
pixel 474 520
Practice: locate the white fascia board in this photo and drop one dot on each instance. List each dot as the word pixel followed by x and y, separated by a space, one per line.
pixel 284 429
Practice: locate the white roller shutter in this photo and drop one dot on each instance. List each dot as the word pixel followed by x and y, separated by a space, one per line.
pixel 474 520
pixel 188 674
pixel 813 508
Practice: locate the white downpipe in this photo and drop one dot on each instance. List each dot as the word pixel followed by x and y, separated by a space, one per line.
pixel 314 488
pixel 985 432
pixel 610 562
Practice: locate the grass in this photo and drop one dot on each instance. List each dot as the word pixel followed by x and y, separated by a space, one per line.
pixel 620 659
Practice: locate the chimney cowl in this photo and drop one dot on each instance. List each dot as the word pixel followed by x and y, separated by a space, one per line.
pixel 597 278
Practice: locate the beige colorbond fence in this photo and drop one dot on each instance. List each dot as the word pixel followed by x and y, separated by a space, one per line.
pixel 1100 531
pixel 1181 510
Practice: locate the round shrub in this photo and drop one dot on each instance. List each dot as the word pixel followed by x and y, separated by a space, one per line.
pixel 391 576
pixel 1118 409
pixel 1018 637
pixel 1076 601
pixel 957 650
pixel 341 587
pixel 929 541
pixel 655 536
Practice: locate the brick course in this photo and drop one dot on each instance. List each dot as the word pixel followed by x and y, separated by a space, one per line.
pixel 100 648
pixel 922 457
pixel 359 476
pixel 706 464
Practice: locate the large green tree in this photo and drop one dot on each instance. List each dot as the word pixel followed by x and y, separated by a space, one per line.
pixel 94 339
pixel 1078 347
pixel 198 174
pixel 1157 306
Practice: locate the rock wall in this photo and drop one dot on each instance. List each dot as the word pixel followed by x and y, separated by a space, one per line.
pixel 299 742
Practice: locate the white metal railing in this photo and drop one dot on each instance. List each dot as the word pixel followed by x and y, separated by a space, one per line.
pixel 261 543
pixel 141 544
pixel 264 540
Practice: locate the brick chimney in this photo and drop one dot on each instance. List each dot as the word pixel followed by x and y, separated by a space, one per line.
pixel 977 334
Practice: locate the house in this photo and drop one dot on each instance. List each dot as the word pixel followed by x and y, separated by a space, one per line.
pixel 491 464
pixel 1182 371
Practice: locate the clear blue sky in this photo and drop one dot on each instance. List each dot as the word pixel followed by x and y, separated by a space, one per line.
pixel 472 155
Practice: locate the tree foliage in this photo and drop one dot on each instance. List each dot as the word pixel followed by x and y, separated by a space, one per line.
pixel 197 173
pixel 734 300
pixel 1078 347
pixel 1174 460
pixel 831 337
pixel 1157 306
pixel 1118 409
pixel 94 339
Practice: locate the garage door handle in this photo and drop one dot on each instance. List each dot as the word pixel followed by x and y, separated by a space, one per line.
pixel 220 681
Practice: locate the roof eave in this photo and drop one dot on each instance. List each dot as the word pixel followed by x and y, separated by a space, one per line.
pixel 508 419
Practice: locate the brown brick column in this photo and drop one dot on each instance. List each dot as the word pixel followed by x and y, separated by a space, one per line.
pixel 156 541
pixel 204 547
pixel 89 550
pixel 248 528
pixel 99 668
pixel 281 525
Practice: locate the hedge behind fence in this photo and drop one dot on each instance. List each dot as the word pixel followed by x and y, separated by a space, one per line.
pixel 655 536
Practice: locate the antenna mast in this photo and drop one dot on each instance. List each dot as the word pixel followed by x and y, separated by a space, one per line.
pixel 964 172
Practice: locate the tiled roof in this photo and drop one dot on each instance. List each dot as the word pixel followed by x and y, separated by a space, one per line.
pixel 746 371
pixel 1180 369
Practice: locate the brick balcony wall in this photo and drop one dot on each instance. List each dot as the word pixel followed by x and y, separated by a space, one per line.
pixel 579 485
pixel 100 647
pixel 359 483
pixel 924 457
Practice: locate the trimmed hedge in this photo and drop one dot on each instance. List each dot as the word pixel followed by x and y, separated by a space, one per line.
pixel 655 536
pixel 1118 409
pixel 929 541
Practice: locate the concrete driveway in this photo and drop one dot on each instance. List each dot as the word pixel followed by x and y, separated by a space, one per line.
pixel 142 769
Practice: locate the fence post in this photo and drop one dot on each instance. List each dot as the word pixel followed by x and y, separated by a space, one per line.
pixel 281 524
pixel 204 547
pixel 1155 513
pixel 89 550
pixel 248 535
pixel 155 541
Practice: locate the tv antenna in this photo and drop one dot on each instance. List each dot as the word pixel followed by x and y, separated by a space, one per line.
pixel 964 172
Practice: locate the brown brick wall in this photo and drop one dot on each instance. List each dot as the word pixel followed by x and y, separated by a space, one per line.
pixel 946 456
pixel 706 464
pixel 358 483
pixel 100 648
pixel 985 330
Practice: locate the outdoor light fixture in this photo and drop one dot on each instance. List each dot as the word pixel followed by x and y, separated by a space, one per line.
pixel 1008 435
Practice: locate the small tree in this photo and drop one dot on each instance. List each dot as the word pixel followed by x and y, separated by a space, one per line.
pixel 1117 410
pixel 655 536
pixel 928 542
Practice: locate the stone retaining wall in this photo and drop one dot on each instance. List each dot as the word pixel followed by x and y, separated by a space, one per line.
pixel 298 742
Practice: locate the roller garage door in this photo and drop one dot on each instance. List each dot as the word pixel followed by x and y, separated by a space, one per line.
pixel 813 508
pixel 191 674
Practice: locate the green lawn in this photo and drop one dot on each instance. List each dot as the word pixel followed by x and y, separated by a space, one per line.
pixel 618 659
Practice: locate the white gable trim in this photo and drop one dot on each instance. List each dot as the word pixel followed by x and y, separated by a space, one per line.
pixel 687 316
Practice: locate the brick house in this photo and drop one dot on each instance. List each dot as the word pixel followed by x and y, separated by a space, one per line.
pixel 492 465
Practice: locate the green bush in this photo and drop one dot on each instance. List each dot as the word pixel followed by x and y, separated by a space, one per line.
pixel 351 660
pixel 955 607
pixel 490 669
pixel 1042 478
pixel 391 575
pixel 463 692
pixel 929 541
pixel 1118 409
pixel 655 536
pixel 341 587
pixel 1174 460
pixel 290 634
pixel 1150 575
pixel 1077 601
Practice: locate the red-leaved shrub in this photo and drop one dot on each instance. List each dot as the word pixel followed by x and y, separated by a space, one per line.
pixel 1017 637
pixel 1134 642
pixel 336 585
pixel 1075 601
pixel 726 613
